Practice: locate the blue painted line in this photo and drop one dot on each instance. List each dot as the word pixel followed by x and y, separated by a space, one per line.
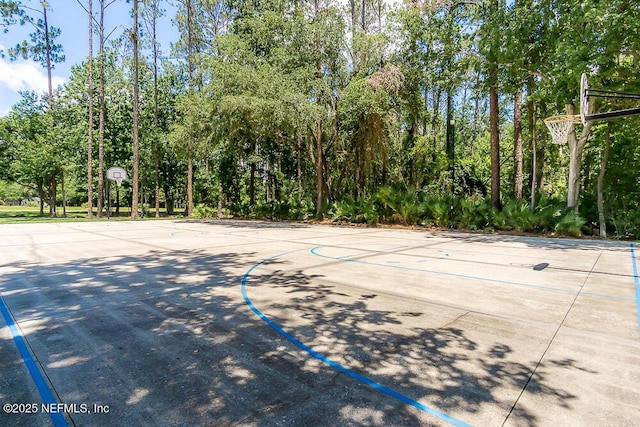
pixel 36 375
pixel 464 276
pixel 358 377
pixel 635 281
pixel 345 257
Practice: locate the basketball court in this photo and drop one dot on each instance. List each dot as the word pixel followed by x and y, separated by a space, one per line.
pixel 256 323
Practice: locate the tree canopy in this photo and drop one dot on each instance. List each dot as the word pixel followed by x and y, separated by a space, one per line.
pixel 425 112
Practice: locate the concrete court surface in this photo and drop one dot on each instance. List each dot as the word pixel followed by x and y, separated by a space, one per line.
pixel 284 324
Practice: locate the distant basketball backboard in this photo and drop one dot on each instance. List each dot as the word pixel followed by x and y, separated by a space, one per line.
pixel 116 174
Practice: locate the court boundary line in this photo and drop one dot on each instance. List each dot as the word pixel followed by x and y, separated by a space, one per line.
pixel 636 281
pixel 29 358
pixel 553 338
pixel 335 365
pixel 464 276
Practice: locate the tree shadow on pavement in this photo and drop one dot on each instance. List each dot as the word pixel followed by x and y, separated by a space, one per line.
pixel 165 338
pixel 441 367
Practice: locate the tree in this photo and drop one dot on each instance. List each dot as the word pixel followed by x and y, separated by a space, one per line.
pixel 10 11
pixel 37 154
pixel 150 15
pixel 104 4
pixel 492 61
pixel 136 101
pixel 90 124
pixel 42 47
pixel 186 25
pixel 365 117
pixel 90 129
pixel 43 50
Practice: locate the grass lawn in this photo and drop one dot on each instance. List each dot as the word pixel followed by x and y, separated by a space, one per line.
pixel 28 214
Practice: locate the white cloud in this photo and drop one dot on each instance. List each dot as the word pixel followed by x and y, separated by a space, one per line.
pixel 23 75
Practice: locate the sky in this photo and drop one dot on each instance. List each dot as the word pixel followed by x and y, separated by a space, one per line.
pixel 73 21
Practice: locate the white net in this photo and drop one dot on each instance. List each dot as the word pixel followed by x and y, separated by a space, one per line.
pixel 560 126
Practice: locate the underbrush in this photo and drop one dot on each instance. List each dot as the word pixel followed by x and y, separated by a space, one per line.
pixel 389 206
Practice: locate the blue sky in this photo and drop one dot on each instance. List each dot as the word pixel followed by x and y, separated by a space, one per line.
pixel 72 19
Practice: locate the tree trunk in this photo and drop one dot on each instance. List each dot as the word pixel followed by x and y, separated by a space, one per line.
pixel 156 143
pixel 531 115
pixel 603 165
pixel 41 195
pixel 252 178
pixel 157 183
pixel 494 124
pixel 576 146
pixel 168 200
pixel 319 178
pixel 53 184
pixel 189 208
pixel 220 196
pixel 90 126
pixel 476 121
pixel 517 146
pixel 48 53
pixel 299 161
pixel 64 196
pixel 434 120
pixel 136 143
pixel 448 139
pixel 101 95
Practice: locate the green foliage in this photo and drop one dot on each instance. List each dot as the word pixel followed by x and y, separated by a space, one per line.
pixel 274 210
pixel 518 215
pixel 263 84
pixel 438 211
pixel 14 192
pixel 362 211
pixel 203 211
pixel 549 211
pixel 397 206
pixel 570 224
pixel 42 47
pixel 474 213
pixel 626 224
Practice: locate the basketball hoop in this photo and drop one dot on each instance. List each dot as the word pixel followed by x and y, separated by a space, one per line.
pixel 116 174
pixel 560 126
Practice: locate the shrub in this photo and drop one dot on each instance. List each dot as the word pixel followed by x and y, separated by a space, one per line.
pixel 519 216
pixel 304 210
pixel 549 211
pixel 626 223
pixel 399 206
pixel 473 213
pixel 343 210
pixel 570 224
pixel 438 211
pixel 363 211
pixel 366 212
pixel 203 211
